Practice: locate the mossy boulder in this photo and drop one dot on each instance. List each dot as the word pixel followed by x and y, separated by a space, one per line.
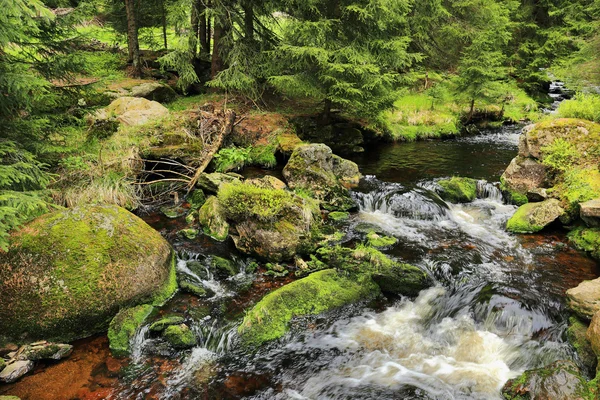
pixel 576 335
pixel 124 326
pixel 211 183
pixel 192 288
pixel 586 239
pixel 376 240
pixel 533 217
pixel 584 299
pixel 458 190
pixel 287 142
pixel 273 224
pixel 154 91
pixel 212 219
pixel 524 175
pixel 313 168
pixel 165 322
pixel 180 336
pixel 223 267
pixel 196 199
pixel 130 111
pixel 319 292
pixel 67 273
pixel 267 182
pixel 338 216
pixel 561 380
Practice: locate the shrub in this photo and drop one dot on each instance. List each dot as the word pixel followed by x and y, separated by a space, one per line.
pixel 584 106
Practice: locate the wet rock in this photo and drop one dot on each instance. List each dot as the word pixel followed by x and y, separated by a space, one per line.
pixel 525 175
pixel 315 169
pixel 379 241
pixel 163 323
pixel 189 234
pixel 223 268
pixel 576 335
pixel 124 326
pixel 45 351
pixel 180 336
pixel 272 224
pixel 590 212
pixel 338 216
pixel 67 273
pixel 130 111
pixel 192 288
pixel 211 183
pixel 584 299
pixel 154 91
pixel 15 370
pixel 317 293
pixel 173 212
pixel 561 380
pixel 534 217
pixel 196 198
pixel 212 219
pixel 586 239
pixel 458 190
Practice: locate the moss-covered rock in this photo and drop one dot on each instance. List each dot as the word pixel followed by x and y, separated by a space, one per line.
pixel 287 142
pixel 458 190
pixel 533 217
pixel 165 322
pixel 576 335
pixel 193 288
pixel 173 212
pixel 523 175
pixel 586 239
pixel 130 111
pixel 211 183
pixel 196 199
pixel 376 240
pixel 267 182
pixel 593 334
pixel 189 233
pixel 561 380
pixel 212 219
pixel 124 326
pixel 314 168
pixel 317 293
pixel 224 268
pixel 67 273
pixel 272 224
pixel 338 216
pixel 180 336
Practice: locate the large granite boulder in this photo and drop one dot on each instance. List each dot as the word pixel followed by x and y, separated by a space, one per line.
pixel 589 212
pixel 130 111
pixel 67 273
pixel 533 217
pixel 524 175
pixel 154 91
pixel 315 169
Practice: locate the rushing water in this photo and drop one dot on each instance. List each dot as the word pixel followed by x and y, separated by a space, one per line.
pixel 496 309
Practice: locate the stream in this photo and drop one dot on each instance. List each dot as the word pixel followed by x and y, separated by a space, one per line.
pixel 497 307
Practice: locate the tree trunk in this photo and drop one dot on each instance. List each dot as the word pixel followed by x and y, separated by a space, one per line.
pixel 471 111
pixel 195 26
pixel 164 24
pixel 204 34
pixel 218 64
pixel 132 37
pixel 326 116
pixel 248 20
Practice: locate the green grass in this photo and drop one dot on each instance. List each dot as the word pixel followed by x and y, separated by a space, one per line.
pixel 150 38
pixel 584 106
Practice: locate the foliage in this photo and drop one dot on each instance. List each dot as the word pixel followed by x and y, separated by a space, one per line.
pixel 584 106
pixel 241 201
pixel 560 155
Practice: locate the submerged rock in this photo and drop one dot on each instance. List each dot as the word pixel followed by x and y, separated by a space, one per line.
pixel 533 217
pixel 124 326
pixel 317 293
pixel 561 380
pixel 163 323
pixel 272 224
pixel 67 273
pixel 315 169
pixel 212 219
pixel 584 299
pixel 458 190
pixel 180 336
pixel 15 370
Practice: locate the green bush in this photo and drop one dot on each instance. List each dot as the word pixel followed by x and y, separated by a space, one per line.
pixel 561 154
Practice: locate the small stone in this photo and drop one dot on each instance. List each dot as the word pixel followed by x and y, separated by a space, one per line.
pixel 212 220
pixel 10 347
pixel 173 212
pixel 163 323
pixel 180 336
pixel 15 370
pixel 46 351
pixel 194 289
pixel 190 234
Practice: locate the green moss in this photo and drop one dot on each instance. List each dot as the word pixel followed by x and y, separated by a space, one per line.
pixel 173 212
pixel 579 185
pixel 533 217
pixel 190 234
pixel 169 287
pixel 263 155
pixel 375 240
pixel 338 216
pixel 196 199
pixel 212 219
pixel 576 335
pixel 163 323
pixel 512 196
pixel 124 326
pixel 223 266
pixel 81 265
pixel 317 293
pixel 458 190
pixel 180 336
pixel 192 288
pixel 287 142
pixel 241 201
pixel 586 239
pixel 2 363
pixel 519 222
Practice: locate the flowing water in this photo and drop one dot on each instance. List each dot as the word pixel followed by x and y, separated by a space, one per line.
pixel 496 309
